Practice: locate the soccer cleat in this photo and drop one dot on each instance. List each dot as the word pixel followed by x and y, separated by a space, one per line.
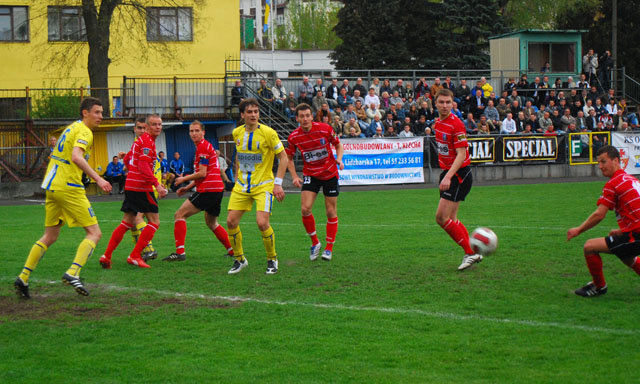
pixel 149 255
pixel 105 262
pixel 137 262
pixel 469 260
pixel 326 255
pixel 76 283
pixel 272 267
pixel 590 290
pixel 228 254
pixel 175 257
pixel 22 288
pixel 238 265
pixel 315 251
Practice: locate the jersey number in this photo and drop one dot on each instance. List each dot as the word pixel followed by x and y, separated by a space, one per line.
pixel 307 180
pixel 62 140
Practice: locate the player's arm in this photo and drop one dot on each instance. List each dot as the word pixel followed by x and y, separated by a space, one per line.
pixel 589 223
pixel 283 160
pixel 461 155
pixel 77 157
pixel 146 170
pixel 201 174
pixel 339 154
pixel 182 190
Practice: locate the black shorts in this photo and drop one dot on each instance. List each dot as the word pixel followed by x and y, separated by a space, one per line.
pixel 330 187
pixel 207 201
pixel 624 246
pixel 460 185
pixel 137 202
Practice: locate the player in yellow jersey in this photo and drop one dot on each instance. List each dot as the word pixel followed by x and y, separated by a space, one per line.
pixel 66 199
pixel 256 147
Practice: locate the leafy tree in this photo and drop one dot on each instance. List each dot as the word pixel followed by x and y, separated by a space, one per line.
pixel 317 19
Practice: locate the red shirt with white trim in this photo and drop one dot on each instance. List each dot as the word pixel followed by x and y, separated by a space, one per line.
pixel 622 194
pixel 206 155
pixel 450 134
pixel 143 155
pixel 315 148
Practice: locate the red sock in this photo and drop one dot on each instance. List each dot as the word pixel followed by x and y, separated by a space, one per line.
pixel 459 234
pixel 332 231
pixel 116 238
pixel 594 263
pixel 145 237
pixel 180 234
pixel 310 226
pixel 223 237
pixel 636 265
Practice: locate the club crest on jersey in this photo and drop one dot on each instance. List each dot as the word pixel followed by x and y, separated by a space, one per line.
pixel 322 142
pixel 444 136
pixel 146 151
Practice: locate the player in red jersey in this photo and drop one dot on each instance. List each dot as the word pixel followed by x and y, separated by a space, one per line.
pixel 456 178
pixel 207 178
pixel 622 194
pixel 139 196
pixel 314 140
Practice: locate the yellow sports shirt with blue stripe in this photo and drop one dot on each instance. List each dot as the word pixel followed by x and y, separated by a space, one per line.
pixel 62 173
pixel 255 154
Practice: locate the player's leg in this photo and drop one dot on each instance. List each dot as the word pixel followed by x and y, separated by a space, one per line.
pixel 331 207
pixel 186 210
pixel 235 238
pixel 36 253
pixel 264 203
pixel 592 249
pixel 307 199
pixel 84 251
pixel 211 213
pixel 446 217
pixel 153 223
pixel 125 225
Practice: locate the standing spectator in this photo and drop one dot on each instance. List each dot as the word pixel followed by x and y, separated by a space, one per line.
pixel 279 94
pixel 590 65
pixel 435 87
pixel 52 145
pixel 115 174
pixel 238 93
pixel 307 89
pixel 605 64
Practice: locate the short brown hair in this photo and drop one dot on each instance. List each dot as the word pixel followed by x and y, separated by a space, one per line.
pixel 88 103
pixel 610 150
pixel 246 102
pixel 302 107
pixel 197 122
pixel 444 92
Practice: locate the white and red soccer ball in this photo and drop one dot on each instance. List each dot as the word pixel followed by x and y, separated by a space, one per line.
pixel 483 241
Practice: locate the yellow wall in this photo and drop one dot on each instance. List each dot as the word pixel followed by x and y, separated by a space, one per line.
pixel 216 35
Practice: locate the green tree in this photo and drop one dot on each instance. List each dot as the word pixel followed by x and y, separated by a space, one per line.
pixel 317 19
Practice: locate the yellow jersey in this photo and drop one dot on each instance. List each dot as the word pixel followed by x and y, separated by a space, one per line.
pixel 62 173
pixel 255 154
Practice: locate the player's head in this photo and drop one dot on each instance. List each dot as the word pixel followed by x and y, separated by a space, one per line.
pixel 444 102
pixel 140 126
pixel 249 111
pixel 608 160
pixel 196 132
pixel 91 112
pixel 154 125
pixel 304 115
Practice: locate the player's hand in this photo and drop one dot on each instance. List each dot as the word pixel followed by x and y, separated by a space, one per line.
pixel 616 232
pixel 104 185
pixel 181 191
pixel 278 192
pixel 572 232
pixel 340 164
pixel 297 182
pixel 121 155
pixel 162 191
pixel 179 180
pixel 445 184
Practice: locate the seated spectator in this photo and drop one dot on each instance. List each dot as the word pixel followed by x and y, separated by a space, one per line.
pixel 477 104
pixel 336 124
pixel 529 109
pixel 528 130
pixel 375 84
pixel 306 89
pixel 52 146
pixel 456 111
pixel 606 118
pixel 514 97
pixel 581 121
pixel 420 125
pixel 571 83
pixel 592 120
pixel 385 101
pixel 412 112
pixel 541 111
pixel 360 88
pixel 433 89
pixel 399 87
pixel 406 131
pixel 115 174
pixel 386 87
pixel 319 87
pixel 400 111
pixel 392 110
pixel 291 98
pixel 344 99
pixel 324 111
pixel 422 88
pixel 567 119
pixel 318 100
pixel 612 107
pixel 503 108
pixel 409 93
pixel 264 92
pixel 545 122
pixel 379 133
pixel 486 87
pixel 304 98
pixel 583 83
pixel 290 109
pixel 357 97
pixel 389 122
pixel 462 94
pixel 333 92
pixel 516 107
pixel 510 85
pixel 484 121
pixel 533 121
pixel 395 99
pixel 176 168
pixel 375 125
pixel 425 110
pixel 555 118
pixel 550 131
pixel 483 126
pixel 279 94
pixel 492 114
pixel 361 116
pixel 448 84
pixel 345 85
pixel 470 124
pixel 623 106
pixel 410 102
pixel 599 108
pixel 508 125
pixel 390 131
pixel 349 113
pixel 373 111
pixel 238 93
pixel 372 98
pixel 351 129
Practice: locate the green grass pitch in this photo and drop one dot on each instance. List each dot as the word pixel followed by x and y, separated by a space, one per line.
pixel 390 308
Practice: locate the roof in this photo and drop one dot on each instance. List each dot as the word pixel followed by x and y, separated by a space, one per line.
pixel 538 31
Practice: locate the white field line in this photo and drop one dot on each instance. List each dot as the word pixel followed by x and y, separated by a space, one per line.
pixel 400 311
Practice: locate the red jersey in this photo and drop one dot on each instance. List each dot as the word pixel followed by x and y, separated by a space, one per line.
pixel 206 155
pixel 622 193
pixel 315 148
pixel 450 134
pixel 143 154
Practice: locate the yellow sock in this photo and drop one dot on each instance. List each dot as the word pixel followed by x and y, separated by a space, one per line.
pixel 235 238
pixel 269 241
pixel 135 231
pixel 35 255
pixel 85 249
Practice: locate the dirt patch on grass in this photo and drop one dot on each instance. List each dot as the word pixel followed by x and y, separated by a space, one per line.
pixel 46 305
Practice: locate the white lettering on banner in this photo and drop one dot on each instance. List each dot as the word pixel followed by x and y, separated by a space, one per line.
pixel 481 150
pixel 315 155
pixel 382 161
pixel 530 148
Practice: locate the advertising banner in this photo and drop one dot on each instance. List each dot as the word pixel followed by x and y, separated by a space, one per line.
pixel 528 148
pixel 382 161
pixel 629 146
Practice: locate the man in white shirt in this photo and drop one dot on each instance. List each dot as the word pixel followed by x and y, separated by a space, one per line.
pixel 508 125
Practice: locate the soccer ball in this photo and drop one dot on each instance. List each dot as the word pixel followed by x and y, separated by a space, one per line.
pixel 483 241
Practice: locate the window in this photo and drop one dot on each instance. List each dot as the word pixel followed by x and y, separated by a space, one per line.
pixel 561 56
pixel 66 24
pixel 169 24
pixel 14 24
